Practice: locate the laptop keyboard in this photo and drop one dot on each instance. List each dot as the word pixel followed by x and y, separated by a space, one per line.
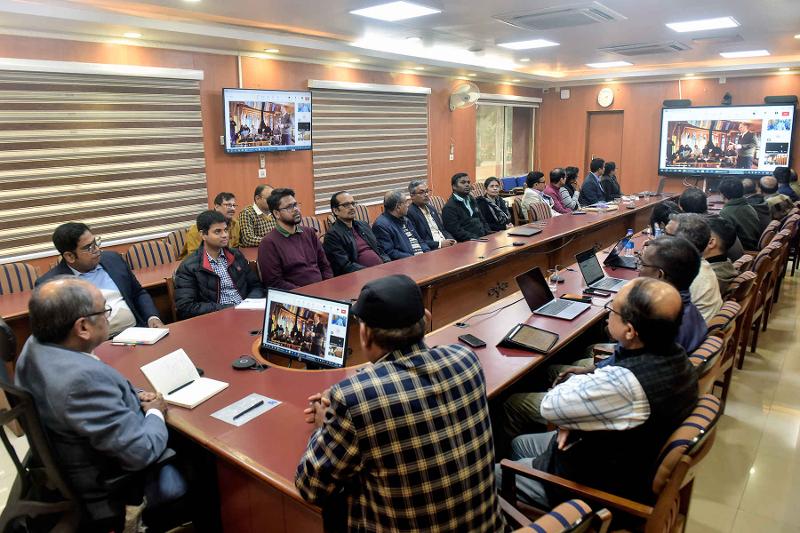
pixel 606 283
pixel 555 307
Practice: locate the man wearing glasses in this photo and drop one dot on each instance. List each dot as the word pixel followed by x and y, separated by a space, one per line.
pixel 291 255
pixel 81 256
pixel 350 244
pixel 424 217
pixel 225 203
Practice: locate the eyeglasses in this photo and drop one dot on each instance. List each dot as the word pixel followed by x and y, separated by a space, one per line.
pixel 610 309
pixel 291 207
pixel 229 204
pixel 348 205
pixel 106 311
pixel 92 246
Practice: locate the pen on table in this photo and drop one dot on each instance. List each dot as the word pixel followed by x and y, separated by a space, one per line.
pixel 259 403
pixel 173 391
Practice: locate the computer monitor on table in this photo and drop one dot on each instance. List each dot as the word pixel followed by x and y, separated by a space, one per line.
pixel 307 328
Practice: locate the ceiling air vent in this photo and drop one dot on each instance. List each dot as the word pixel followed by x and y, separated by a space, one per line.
pixel 641 49
pixel 561 17
pixel 719 39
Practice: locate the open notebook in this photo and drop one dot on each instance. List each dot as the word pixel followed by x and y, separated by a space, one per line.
pixel 136 335
pixel 176 377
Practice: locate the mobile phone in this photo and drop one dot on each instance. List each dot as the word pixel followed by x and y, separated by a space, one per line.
pixel 596 292
pixel 471 340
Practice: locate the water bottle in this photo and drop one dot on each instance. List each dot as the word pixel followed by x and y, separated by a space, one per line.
pixel 629 249
pixel 659 232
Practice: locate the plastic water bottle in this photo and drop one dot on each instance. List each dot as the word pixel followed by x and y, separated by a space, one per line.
pixel 659 232
pixel 629 249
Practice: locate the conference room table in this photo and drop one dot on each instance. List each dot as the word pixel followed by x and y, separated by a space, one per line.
pixel 256 462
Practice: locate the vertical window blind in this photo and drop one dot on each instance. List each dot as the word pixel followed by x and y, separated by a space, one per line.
pixel 123 154
pixel 367 142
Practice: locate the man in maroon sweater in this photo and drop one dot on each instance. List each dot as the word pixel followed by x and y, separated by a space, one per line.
pixel 291 255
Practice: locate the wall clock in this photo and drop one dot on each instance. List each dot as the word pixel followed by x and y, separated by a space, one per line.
pixel 605 97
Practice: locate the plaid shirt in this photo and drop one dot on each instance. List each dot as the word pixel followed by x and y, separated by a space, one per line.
pixel 253 226
pixel 410 441
pixel 227 290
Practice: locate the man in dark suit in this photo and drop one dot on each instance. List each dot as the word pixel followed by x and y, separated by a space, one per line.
pixel 81 256
pixel 396 236
pixel 425 218
pixel 350 244
pixel 592 190
pixel 461 215
pixel 98 424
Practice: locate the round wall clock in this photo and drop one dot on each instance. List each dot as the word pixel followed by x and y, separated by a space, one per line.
pixel 605 97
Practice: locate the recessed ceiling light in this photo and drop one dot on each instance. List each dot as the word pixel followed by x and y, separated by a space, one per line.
pixel 704 24
pixel 419 68
pixel 784 69
pixel 548 73
pixel 471 74
pixel 450 54
pixel 516 80
pixel 528 45
pixel 354 60
pixel 609 79
pixel 525 60
pixel 690 75
pixel 271 50
pixel 797 36
pixel 413 39
pixel 394 11
pixel 609 64
pixel 744 53
pixel 132 35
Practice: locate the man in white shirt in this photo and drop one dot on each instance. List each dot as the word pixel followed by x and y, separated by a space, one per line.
pixel 535 185
pixel 705 287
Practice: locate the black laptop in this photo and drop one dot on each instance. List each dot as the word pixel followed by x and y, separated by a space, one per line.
pixel 617 260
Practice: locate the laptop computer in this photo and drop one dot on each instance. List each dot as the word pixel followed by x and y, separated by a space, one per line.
pixel 524 231
pixel 617 260
pixel 594 275
pixel 540 298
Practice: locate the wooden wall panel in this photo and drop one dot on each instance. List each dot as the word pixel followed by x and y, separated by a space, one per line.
pixel 561 124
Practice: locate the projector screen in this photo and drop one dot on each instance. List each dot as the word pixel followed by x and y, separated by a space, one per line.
pixel 725 140
pixel 266 121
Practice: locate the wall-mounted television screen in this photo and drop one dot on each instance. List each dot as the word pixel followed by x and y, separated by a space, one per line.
pixel 725 140
pixel 266 121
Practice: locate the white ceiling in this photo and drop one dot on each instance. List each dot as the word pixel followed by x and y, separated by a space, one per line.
pixel 323 31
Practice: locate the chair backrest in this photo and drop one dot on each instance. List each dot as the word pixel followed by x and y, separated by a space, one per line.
pixel 8 343
pixel 726 314
pixel 17 277
pixel 362 213
pixel 572 516
pixel 539 211
pixel 170 283
pixel 743 263
pixel 149 254
pixel 705 355
pixel 313 222
pixel 516 211
pixel 39 474
pixel 768 233
pixel 438 203
pixel 477 189
pixel 742 289
pixel 790 222
pixel 177 239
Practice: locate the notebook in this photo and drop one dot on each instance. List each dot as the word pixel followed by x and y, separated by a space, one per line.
pixel 140 336
pixel 524 231
pixel 176 377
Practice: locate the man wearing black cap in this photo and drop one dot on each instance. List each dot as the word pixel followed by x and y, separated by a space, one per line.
pixel 407 441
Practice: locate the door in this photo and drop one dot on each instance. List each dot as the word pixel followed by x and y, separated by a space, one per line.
pixel 604 137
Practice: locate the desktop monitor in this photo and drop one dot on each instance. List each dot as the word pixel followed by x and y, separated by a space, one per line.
pixel 307 328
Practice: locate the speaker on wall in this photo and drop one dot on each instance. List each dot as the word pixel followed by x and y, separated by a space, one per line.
pixel 678 103
pixel 785 99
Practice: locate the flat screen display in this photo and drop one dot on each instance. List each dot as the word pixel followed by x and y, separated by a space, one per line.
pixel 266 121
pixel 725 140
pixel 306 328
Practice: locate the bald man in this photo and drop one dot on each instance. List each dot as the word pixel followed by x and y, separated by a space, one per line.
pixel 612 421
pixel 99 425
pixel 779 204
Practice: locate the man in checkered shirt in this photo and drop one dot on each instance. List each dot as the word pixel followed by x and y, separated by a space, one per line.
pixel 406 444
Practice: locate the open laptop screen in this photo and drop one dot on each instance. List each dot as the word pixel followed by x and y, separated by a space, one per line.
pixel 307 328
pixel 534 288
pixel 590 266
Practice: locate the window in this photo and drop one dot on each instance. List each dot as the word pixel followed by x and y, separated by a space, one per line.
pixel 504 140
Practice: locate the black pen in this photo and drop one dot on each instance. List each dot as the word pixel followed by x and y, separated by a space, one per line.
pixel 173 391
pixel 259 403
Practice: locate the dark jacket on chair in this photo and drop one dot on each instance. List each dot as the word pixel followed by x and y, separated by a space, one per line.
pixel 461 225
pixel 136 298
pixel 197 286
pixel 340 246
pixel 388 230
pixel 420 223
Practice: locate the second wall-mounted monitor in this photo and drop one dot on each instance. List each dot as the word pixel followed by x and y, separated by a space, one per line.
pixel 725 140
pixel 266 121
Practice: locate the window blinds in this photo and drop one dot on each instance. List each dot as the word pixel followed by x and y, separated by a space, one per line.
pixel 123 154
pixel 367 142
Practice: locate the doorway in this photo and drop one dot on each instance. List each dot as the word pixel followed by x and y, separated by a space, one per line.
pixel 604 137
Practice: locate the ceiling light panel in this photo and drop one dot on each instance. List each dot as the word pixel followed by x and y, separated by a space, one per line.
pixel 744 53
pixel 395 11
pixel 704 24
pixel 609 64
pixel 528 45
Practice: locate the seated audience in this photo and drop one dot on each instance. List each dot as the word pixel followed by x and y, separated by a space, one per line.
pixel 225 203
pixel 255 220
pixel 704 288
pixel 493 207
pixel 553 190
pixel 130 304
pixel 396 235
pixel 461 216
pixel 660 216
pixel 100 428
pixel 611 190
pixel 723 236
pixel 613 421
pixel 431 469
pixel 754 197
pixel 569 192
pixel 784 176
pixel 534 193
pixel 290 256
pixel 214 276
pixel 350 244
pixel 592 190
pixel 793 183
pixel 693 200
pixel 739 213
pixel 424 217
pixel 779 204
